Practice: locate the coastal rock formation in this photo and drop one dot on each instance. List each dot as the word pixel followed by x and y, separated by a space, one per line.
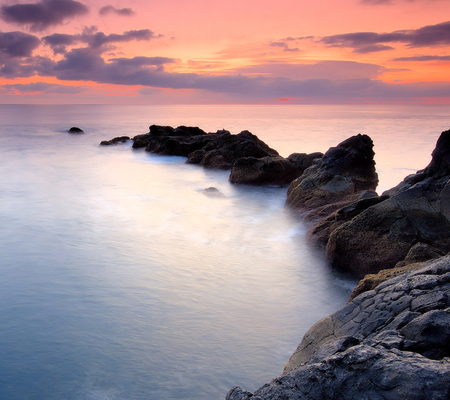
pixel 392 342
pixel 75 129
pixel 337 179
pixel 271 170
pixel 119 139
pixel 211 150
pixel 415 211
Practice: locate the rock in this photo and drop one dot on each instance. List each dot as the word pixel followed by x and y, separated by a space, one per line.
pixel 212 150
pixel 225 149
pixel 75 129
pixel 319 234
pixel 271 170
pixel 392 342
pixel 302 160
pixel 343 171
pixel 416 212
pixel 212 192
pixel 119 139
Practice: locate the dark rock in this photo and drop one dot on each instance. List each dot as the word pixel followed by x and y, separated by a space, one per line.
pixel 211 150
pixel 75 129
pixel 271 170
pixel 342 172
pixel 319 234
pixel 376 347
pixel 416 212
pixel 119 139
pixel 225 149
pixel 263 171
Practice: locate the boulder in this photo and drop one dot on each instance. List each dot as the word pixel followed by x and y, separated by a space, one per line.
pixel 416 211
pixel 271 170
pixel 119 139
pixel 225 149
pixel 343 171
pixel 391 342
pixel 75 129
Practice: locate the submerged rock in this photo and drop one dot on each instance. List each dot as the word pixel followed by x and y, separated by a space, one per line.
pixel 392 342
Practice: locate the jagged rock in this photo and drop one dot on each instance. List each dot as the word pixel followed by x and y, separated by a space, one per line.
pixel 271 170
pixel 392 342
pixel 225 149
pixel 119 139
pixel 319 234
pixel 416 211
pixel 211 150
pixel 75 129
pixel 342 172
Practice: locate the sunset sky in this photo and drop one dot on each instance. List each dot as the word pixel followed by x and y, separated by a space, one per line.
pixel 220 52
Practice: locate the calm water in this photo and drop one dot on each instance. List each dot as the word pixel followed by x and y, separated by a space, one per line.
pixel 120 279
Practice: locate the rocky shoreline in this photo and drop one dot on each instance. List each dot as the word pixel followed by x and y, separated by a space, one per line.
pixel 392 340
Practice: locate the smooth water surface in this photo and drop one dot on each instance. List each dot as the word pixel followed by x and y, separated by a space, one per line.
pixel 121 279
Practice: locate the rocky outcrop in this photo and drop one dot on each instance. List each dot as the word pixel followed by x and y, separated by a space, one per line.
pixel 271 170
pixel 75 129
pixel 225 149
pixel 415 211
pixel 211 150
pixel 337 179
pixel 116 140
pixel 392 342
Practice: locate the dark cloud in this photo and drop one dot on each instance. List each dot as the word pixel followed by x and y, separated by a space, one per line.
pixel 88 65
pixel 365 42
pixel 43 14
pixel 423 58
pixel 284 46
pixel 41 87
pixel 373 48
pixel 93 39
pixel 119 11
pixel 17 44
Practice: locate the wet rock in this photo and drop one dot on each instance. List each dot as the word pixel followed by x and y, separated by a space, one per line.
pixel 119 139
pixel 212 192
pixel 218 150
pixel 75 129
pixel 225 149
pixel 271 170
pixel 343 171
pixel 379 346
pixel 415 212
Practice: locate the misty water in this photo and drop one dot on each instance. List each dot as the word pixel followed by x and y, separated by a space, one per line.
pixel 121 279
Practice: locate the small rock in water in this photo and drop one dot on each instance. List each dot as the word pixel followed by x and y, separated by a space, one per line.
pixel 212 192
pixel 120 139
pixel 75 129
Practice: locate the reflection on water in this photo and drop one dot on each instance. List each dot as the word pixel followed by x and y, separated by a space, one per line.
pixel 122 279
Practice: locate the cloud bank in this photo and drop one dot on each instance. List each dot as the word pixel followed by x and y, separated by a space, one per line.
pixel 42 15
pixel 126 12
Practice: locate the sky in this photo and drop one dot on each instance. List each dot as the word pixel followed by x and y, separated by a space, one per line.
pixel 225 52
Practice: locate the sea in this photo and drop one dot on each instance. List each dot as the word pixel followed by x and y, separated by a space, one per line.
pixel 121 279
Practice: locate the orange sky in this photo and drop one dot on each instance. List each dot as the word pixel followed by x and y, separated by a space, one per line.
pixel 246 51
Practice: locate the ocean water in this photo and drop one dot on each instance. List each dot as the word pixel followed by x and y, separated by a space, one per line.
pixel 121 279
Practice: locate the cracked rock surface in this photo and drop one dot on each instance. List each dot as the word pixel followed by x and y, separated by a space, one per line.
pixel 392 342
